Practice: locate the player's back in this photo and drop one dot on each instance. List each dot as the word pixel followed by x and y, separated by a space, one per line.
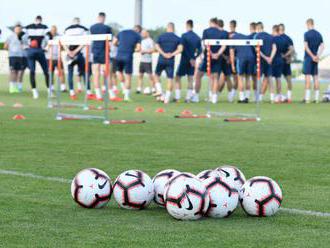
pixel 191 44
pixel 128 39
pixel 213 33
pixel 168 42
pixel 268 42
pixel 314 39
pixel 99 28
pixel 243 52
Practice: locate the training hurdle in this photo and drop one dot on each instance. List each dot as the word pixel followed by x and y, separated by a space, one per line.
pixel 235 117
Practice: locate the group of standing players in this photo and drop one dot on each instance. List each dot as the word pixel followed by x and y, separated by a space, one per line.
pixel 234 67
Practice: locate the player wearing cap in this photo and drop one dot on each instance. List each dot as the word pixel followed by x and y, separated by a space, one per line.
pixel 128 41
pixel 35 41
pixel 168 45
pixel 314 48
pixel 192 48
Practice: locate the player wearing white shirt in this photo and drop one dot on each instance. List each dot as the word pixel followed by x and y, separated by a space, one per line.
pixel 147 48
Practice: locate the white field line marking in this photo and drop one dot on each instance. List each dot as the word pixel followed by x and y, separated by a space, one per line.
pixel 30 175
pixel 63 180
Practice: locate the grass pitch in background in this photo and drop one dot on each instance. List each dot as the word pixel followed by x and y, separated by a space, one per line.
pixel 291 145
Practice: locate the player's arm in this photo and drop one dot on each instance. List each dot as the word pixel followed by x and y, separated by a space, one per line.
pixel 272 55
pixel 138 47
pixel 160 50
pixel 309 52
pixel 6 45
pixel 320 51
pixel 232 59
pixel 115 41
pixel 178 50
pixel 289 53
pixel 219 53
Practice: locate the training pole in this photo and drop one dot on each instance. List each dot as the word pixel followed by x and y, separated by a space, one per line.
pixel 50 70
pixel 59 73
pixel 86 81
pixel 106 77
pixel 208 71
pixel 258 80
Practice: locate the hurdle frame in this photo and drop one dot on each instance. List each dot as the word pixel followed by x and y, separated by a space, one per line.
pixel 241 117
pixel 85 40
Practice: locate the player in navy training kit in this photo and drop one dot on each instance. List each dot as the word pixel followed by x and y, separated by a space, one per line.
pixel 253 32
pixel 287 55
pixel 192 48
pixel 168 45
pixel 128 41
pixel 267 53
pixel 35 40
pixel 314 48
pixel 212 32
pixel 98 51
pixel 242 62
pixel 278 62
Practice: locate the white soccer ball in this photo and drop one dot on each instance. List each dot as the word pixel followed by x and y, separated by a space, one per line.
pixel 207 174
pixel 182 174
pixel 133 189
pixel 147 91
pixel 186 198
pixel 224 198
pixel 261 196
pixel 159 182
pixel 91 188
pixel 234 174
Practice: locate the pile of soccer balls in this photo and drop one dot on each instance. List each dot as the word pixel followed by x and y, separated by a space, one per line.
pixel 214 193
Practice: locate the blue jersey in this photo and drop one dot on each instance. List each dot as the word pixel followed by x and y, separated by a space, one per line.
pixel 216 34
pixel 314 39
pixel 168 42
pixel 268 40
pixel 287 43
pixel 192 45
pixel 243 52
pixel 280 45
pixel 99 28
pixel 128 39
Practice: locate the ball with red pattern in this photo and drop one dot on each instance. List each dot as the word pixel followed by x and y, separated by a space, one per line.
pixel 205 174
pixel 133 189
pixel 91 188
pixel 223 197
pixel 261 196
pixel 159 182
pixel 186 198
pixel 234 174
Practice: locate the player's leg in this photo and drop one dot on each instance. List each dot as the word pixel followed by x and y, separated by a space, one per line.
pixel 70 79
pixel 96 68
pixel 128 66
pixel 178 87
pixel 140 78
pixel 198 84
pixel 41 58
pixel 170 82
pixel 32 67
pixel 190 86
pixel 159 69
pixel 307 70
pixel 241 72
pixel 316 83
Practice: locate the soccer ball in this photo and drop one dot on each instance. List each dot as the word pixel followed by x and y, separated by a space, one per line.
pixel 186 198
pixel 91 188
pixel 182 174
pixel 133 189
pixel 159 182
pixel 207 174
pixel 147 91
pixel 261 196
pixel 224 197
pixel 234 174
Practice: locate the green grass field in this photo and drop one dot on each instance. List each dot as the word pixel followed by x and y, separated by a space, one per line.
pixel 291 145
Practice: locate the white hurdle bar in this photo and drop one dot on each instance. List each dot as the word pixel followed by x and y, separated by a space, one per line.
pixel 230 42
pixel 80 39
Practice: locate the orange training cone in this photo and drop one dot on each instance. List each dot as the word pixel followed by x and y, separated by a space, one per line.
pixel 160 110
pixel 19 117
pixel 139 110
pixel 2 104
pixel 186 112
